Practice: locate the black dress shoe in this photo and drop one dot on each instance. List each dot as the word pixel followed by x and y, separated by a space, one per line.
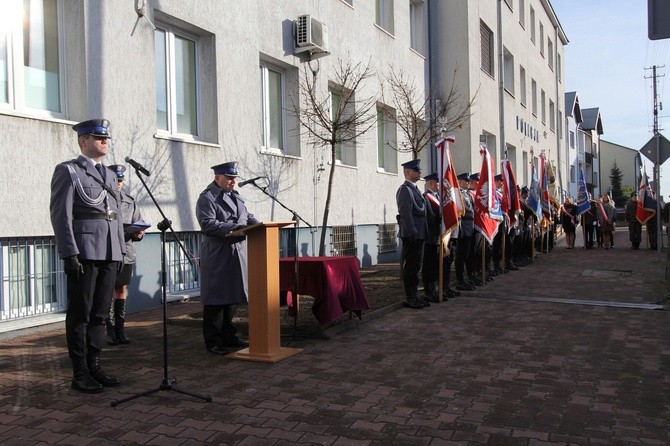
pixel 475 281
pixel 104 379
pixel 217 350
pixel 464 286
pixel 417 305
pixel 236 343
pixel 86 384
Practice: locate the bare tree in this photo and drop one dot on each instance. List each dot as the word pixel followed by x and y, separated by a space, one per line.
pixel 335 117
pixel 418 121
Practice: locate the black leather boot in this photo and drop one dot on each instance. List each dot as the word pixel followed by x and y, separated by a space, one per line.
pixel 82 379
pixel 100 376
pixel 119 320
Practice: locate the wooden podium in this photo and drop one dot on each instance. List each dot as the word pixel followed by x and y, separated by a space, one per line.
pixel 264 327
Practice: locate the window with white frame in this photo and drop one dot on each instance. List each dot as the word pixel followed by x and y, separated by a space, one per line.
pixel 522 84
pixel 550 53
pixel 532 24
pixel 533 96
pixel 541 39
pixel 558 66
pixel 552 116
pixel 417 27
pixel 31 73
pixel 272 107
pixel 572 174
pixel 345 151
pixel 384 15
pixel 486 48
pixel 386 140
pixel 522 13
pixel 508 73
pixel 176 81
pixel 543 104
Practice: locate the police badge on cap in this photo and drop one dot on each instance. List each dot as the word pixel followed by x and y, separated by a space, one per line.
pixel 228 169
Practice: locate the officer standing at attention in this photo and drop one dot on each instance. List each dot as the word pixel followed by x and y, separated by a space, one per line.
pixel 412 221
pixel 466 231
pixel 223 258
pixel 85 215
pixel 116 319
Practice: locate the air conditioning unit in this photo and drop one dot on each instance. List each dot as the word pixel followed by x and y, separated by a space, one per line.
pixel 310 35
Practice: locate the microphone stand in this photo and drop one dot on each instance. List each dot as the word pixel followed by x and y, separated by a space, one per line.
pixel 296 276
pixel 167 382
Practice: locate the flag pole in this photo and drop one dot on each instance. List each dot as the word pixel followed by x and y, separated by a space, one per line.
pixel 440 196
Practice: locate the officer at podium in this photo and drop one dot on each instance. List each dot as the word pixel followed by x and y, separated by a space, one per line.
pixel 220 210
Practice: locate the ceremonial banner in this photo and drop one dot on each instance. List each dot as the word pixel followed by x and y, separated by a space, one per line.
pixel 450 193
pixel 646 205
pixel 583 196
pixel 535 193
pixel 510 193
pixel 544 185
pixel 552 185
pixel 488 212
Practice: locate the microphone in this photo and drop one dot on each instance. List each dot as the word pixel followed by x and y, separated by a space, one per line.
pixel 137 166
pixel 253 180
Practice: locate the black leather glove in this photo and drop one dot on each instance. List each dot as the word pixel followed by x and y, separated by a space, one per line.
pixel 73 268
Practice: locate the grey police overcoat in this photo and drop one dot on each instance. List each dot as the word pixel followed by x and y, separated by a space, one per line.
pixel 78 201
pixel 223 260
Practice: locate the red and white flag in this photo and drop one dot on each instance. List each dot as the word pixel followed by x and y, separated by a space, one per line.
pixel 646 205
pixel 450 194
pixel 510 193
pixel 488 212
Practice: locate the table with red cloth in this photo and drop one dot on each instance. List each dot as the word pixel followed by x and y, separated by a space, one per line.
pixel 333 282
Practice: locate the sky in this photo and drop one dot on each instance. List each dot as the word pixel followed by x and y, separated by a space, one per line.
pixel 608 62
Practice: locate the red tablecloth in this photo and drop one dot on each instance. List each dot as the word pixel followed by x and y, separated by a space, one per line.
pixel 334 282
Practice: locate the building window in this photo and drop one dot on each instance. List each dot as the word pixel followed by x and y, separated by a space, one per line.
pixel 543 104
pixel 522 13
pixel 30 56
pixel 572 139
pixel 343 241
pixel 508 73
pixel 387 239
pixel 386 140
pixel 572 174
pixel 533 96
pixel 558 66
pixel 33 281
pixel 552 116
pixel 182 273
pixel 176 82
pixel 541 39
pixel 417 28
pixel 559 124
pixel 272 107
pixel 345 151
pixel 487 48
pixel 522 84
pixel 510 4
pixel 532 24
pixel 384 15
pixel 550 53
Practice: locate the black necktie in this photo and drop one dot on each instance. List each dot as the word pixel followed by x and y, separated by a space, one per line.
pixel 101 170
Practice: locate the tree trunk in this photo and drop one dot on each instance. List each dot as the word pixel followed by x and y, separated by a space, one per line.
pixel 326 208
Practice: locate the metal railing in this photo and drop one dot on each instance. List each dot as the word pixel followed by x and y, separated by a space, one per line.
pixel 343 241
pixel 33 282
pixel 387 241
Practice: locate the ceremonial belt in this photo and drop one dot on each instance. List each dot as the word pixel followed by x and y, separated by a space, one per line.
pixel 95 216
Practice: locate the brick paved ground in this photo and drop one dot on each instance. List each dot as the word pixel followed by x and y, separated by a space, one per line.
pixel 562 352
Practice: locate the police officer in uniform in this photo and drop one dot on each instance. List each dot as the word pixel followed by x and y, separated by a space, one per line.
pixel 221 210
pixel 86 219
pixel 115 322
pixel 412 221
pixel 466 231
